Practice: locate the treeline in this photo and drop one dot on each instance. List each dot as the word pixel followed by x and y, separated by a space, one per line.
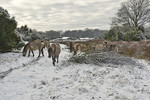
pixel 91 33
pixel 28 34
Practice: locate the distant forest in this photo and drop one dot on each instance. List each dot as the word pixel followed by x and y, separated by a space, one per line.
pixel 29 34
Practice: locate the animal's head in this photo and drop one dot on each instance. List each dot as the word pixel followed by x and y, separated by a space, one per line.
pixel 82 47
pixel 49 52
pixel 25 49
pixel 45 44
pixel 24 53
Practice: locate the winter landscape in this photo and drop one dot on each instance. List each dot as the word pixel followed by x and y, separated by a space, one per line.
pixel 32 78
pixel 102 46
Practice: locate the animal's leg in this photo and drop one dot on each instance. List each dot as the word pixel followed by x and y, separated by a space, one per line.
pixel 53 61
pixel 32 52
pixel 57 58
pixel 42 52
pixel 29 53
pixel 39 53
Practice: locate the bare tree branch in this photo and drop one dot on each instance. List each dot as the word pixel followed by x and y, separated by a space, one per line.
pixel 133 13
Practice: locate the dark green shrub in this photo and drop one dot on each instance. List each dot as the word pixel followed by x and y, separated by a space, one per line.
pixel 133 35
pixel 8 38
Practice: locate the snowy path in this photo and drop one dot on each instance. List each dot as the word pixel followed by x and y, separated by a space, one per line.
pixel 34 79
pixel 27 74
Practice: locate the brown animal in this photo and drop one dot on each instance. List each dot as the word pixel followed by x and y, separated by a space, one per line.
pixel 100 47
pixel 32 46
pixel 113 47
pixel 79 47
pixel 54 51
pixel 46 44
pixel 110 46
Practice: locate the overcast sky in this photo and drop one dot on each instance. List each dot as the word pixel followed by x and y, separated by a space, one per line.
pixel 45 15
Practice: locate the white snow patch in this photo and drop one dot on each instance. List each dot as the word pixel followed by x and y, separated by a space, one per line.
pixel 40 80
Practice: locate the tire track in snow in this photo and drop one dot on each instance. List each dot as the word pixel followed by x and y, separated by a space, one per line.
pixel 5 73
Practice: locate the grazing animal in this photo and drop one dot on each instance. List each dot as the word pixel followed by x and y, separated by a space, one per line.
pixel 113 47
pixel 79 47
pixel 46 44
pixel 110 46
pixel 106 46
pixel 54 52
pixel 100 47
pixel 31 46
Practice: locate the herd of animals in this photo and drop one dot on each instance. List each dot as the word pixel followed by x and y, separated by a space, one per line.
pixel 54 49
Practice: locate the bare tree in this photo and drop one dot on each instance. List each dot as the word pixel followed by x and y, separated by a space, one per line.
pixel 133 13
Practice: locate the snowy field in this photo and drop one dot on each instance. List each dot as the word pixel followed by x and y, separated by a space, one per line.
pixel 32 78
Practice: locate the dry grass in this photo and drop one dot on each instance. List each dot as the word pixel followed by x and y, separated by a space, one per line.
pixel 140 49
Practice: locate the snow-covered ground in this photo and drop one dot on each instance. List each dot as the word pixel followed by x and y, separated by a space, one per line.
pixel 30 78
